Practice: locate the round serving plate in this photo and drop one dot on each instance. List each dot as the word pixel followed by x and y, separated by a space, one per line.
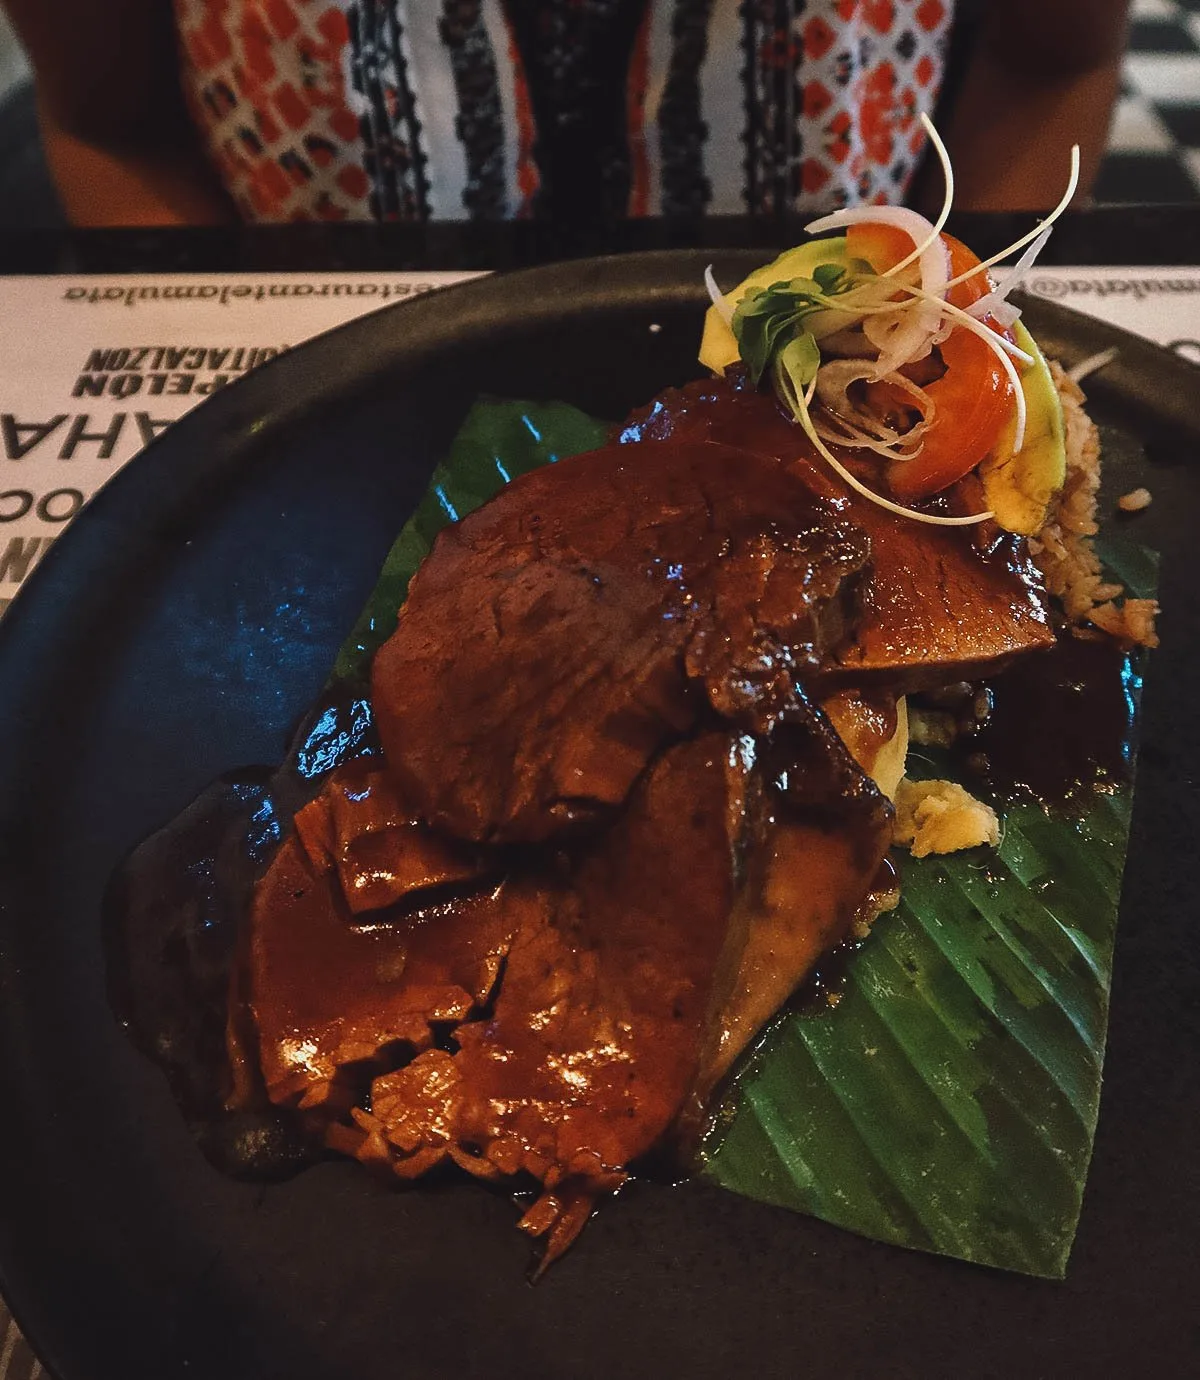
pixel 179 629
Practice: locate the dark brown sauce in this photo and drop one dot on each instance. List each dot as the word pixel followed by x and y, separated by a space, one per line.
pixel 173 914
pixel 1061 725
pixel 823 987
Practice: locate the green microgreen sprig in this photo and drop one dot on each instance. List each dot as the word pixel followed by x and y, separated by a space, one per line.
pixel 771 325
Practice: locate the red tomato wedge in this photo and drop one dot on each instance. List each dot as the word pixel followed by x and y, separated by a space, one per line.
pixel 973 398
pixel 882 246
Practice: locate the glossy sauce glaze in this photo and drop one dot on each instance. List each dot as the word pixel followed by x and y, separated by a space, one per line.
pixel 936 601
pixel 1061 725
pixel 174 920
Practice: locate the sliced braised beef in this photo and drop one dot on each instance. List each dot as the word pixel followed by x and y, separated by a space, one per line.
pixel 937 604
pixel 595 1037
pixel 546 646
pixel 329 992
pixel 642 972
pixel 817 835
pixel 359 826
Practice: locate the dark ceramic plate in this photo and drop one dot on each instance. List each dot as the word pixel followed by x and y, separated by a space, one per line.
pixel 181 627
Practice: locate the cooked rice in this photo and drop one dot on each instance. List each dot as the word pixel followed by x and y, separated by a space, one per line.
pixel 1063 549
pixel 1134 501
pixel 931 727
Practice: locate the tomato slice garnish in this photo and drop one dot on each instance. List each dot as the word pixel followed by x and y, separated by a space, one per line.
pixel 882 246
pixel 973 398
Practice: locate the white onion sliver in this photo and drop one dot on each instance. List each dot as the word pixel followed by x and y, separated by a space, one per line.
pixel 1093 364
pixel 839 374
pixel 854 439
pixel 911 222
pixel 907 339
pixel 835 378
pixel 932 519
pixel 997 342
pixel 1064 202
pixel 724 310
pixel 911 340
pixel 995 303
pixel 1005 315
pixel 1004 350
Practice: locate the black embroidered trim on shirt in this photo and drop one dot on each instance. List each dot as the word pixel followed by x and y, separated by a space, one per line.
pixel 479 123
pixel 771 36
pixel 686 190
pixel 391 132
pixel 576 56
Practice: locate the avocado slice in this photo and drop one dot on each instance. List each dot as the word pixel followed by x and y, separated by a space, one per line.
pixel 718 347
pixel 1019 486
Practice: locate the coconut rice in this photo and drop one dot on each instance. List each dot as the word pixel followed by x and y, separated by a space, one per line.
pixel 1063 548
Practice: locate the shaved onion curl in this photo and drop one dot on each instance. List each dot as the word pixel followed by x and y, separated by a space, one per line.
pixel 910 337
pixel 724 310
pixel 930 519
pixel 995 303
pixel 1005 351
pixel 846 434
pixel 902 331
pixel 833 384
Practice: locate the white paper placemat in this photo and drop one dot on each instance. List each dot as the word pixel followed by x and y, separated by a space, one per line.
pixel 92 368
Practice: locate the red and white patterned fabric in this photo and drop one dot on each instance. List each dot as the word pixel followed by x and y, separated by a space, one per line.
pixel 408 109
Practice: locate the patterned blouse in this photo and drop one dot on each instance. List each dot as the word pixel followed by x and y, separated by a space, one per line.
pixel 452 109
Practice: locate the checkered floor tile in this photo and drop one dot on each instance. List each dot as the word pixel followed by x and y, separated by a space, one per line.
pixel 1154 143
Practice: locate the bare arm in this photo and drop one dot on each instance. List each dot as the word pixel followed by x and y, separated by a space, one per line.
pixel 1044 75
pixel 117 136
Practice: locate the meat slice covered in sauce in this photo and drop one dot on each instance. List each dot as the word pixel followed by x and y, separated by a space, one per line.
pixel 558 637
pixel 360 827
pixel 936 604
pixel 814 844
pixel 329 990
pixel 620 987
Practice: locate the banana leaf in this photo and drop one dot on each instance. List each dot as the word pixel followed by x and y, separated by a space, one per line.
pixel 947 1102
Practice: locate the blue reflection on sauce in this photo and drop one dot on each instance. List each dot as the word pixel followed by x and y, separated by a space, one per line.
pixel 636 431
pixel 340 732
pixel 264 831
pixel 447 507
pixel 1131 688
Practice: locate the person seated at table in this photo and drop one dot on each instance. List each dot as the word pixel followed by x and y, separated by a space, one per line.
pixel 202 111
